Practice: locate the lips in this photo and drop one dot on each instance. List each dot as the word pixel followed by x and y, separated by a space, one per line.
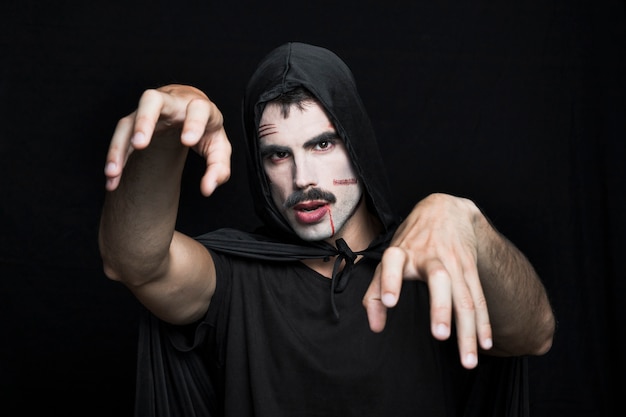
pixel 309 212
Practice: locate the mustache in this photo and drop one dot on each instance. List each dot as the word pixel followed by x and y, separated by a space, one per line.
pixel 311 194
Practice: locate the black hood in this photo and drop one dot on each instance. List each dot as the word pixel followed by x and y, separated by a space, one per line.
pixel 330 80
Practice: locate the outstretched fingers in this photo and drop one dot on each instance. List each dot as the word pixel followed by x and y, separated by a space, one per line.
pixel 481 313
pixel 465 320
pixel 392 272
pixel 217 163
pixel 374 307
pixel 176 112
pixel 384 291
pixel 456 290
pixel 204 129
pixel 133 131
pixel 437 244
pixel 119 150
pixel 440 290
pixel 152 105
pixel 200 118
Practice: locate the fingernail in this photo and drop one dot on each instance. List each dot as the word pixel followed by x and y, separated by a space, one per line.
pixel 110 168
pixel 208 185
pixel 138 138
pixel 471 360
pixel 212 187
pixel 442 330
pixel 187 136
pixel 388 299
pixel 487 344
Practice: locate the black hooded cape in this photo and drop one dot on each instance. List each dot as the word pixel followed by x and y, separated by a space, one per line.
pixel 172 377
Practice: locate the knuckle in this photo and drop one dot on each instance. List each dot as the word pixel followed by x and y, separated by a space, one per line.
pixel 465 303
pixel 142 118
pixel 485 328
pixel 367 301
pixel 227 147
pixel 441 310
pixel 467 340
pixel 225 174
pixel 151 94
pixel 126 121
pixel 114 149
pixel 392 249
pixel 480 302
pixel 393 252
pixel 200 102
pixel 437 272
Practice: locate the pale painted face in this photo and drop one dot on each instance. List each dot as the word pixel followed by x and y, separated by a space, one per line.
pixel 312 180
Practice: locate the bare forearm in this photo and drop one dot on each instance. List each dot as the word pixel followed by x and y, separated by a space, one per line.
pixel 519 309
pixel 139 217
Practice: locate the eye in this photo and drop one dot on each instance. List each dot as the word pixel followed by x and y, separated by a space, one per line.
pixel 280 155
pixel 324 145
pixel 274 153
pixel 277 156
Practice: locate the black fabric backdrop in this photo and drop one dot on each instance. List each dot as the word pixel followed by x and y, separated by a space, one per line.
pixel 517 105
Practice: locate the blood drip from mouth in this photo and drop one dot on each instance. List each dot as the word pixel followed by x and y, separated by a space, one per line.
pixel 332 223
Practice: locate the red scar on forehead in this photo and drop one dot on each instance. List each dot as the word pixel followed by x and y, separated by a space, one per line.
pixel 347 181
pixel 267 129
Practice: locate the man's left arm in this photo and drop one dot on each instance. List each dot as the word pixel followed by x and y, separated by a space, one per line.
pixel 519 310
pixel 473 273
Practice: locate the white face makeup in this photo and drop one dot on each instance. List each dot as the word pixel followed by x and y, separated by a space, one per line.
pixel 312 180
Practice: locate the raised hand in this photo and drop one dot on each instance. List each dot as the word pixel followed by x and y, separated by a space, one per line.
pixel 172 116
pixel 437 244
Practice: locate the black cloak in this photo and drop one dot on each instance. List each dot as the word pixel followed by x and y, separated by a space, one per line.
pixel 172 379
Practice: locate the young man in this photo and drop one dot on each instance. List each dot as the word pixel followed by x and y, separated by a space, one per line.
pixel 334 307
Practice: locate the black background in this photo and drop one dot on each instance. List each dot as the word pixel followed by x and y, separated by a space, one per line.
pixel 517 105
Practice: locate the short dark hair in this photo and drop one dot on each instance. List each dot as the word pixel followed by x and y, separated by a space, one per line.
pixel 298 97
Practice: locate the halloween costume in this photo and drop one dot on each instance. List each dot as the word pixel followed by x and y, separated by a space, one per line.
pixel 280 339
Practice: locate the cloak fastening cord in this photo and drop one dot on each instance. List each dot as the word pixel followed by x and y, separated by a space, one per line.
pixel 340 279
pixel 253 246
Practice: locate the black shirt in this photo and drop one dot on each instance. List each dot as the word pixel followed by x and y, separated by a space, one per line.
pixel 283 353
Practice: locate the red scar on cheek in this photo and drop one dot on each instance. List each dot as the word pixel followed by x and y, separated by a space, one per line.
pixel 347 181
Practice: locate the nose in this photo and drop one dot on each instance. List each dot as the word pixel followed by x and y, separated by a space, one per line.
pixel 304 173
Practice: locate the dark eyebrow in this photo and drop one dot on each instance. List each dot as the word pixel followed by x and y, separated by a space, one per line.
pixel 266 150
pixel 322 137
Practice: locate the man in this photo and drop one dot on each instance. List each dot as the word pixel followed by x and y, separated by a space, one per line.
pixel 331 307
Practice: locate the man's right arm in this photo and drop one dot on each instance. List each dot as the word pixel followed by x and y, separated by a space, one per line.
pixel 170 273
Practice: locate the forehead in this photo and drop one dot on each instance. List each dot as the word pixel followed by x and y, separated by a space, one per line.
pixel 300 122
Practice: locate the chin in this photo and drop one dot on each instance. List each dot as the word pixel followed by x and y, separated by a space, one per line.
pixel 312 235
